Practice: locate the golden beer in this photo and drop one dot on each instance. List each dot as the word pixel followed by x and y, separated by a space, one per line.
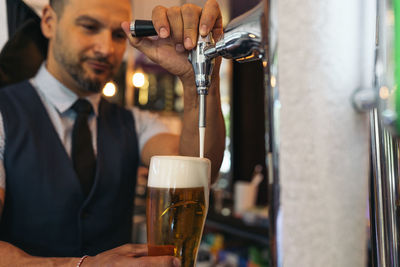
pixel 177 204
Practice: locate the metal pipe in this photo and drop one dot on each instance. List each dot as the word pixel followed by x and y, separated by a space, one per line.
pixel 384 193
pixel 378 233
pixel 272 109
pixel 385 155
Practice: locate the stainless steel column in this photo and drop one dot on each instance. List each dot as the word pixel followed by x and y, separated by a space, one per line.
pixel 272 107
pixel 384 190
pixel 384 193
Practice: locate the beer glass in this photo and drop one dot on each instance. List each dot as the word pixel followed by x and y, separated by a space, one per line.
pixel 177 205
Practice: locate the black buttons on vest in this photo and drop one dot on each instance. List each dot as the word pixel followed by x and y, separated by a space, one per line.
pixel 83 157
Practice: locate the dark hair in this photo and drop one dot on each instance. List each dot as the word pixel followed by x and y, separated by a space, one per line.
pixel 58 6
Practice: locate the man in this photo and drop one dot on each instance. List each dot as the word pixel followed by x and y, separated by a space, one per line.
pixel 57 210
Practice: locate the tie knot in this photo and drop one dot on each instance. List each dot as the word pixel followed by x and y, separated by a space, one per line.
pixel 82 106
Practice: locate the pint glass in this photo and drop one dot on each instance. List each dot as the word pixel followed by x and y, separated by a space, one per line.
pixel 177 205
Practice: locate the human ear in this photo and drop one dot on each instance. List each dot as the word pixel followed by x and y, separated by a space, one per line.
pixel 49 21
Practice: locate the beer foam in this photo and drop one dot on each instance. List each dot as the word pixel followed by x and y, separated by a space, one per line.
pixel 179 172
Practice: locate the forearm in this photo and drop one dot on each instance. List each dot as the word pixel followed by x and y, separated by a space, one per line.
pixel 215 127
pixel 13 256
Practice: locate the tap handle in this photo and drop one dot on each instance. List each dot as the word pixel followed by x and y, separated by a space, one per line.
pixel 202 66
pixel 142 28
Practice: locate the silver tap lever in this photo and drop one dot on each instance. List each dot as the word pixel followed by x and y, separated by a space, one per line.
pixel 202 68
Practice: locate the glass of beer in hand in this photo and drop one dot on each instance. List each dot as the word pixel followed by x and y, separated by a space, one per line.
pixel 177 205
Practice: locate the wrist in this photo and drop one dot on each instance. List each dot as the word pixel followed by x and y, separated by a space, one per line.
pixel 81 260
pixel 188 81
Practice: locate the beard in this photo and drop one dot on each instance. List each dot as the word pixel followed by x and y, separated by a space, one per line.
pixel 73 65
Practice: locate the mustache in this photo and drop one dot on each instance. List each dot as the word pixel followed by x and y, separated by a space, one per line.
pixel 102 60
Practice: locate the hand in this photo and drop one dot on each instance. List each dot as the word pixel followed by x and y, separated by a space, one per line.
pixel 178 29
pixel 130 255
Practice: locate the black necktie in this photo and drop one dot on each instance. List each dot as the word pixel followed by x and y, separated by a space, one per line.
pixel 83 157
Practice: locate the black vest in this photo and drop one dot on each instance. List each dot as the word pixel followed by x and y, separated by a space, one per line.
pixel 45 212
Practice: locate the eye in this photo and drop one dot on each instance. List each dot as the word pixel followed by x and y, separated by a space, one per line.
pixel 119 36
pixel 90 27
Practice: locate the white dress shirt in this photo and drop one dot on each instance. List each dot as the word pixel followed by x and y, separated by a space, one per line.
pixel 58 99
pixel 3 24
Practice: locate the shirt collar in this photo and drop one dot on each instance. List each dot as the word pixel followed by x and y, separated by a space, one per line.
pixel 58 94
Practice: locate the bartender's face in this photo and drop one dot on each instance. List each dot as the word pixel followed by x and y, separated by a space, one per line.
pixel 88 44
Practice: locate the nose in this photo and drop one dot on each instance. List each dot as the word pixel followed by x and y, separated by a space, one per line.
pixel 104 45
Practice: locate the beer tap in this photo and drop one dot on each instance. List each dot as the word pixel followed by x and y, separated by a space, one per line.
pixel 243 38
pixel 242 41
pixel 202 68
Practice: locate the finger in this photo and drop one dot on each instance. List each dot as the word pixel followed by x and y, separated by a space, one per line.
pixel 175 24
pixel 160 21
pixel 190 16
pixel 143 44
pixel 211 19
pixel 159 261
pixel 130 249
pixel 133 41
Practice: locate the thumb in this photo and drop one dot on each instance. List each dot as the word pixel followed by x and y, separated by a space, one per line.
pixel 132 40
pixel 143 44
